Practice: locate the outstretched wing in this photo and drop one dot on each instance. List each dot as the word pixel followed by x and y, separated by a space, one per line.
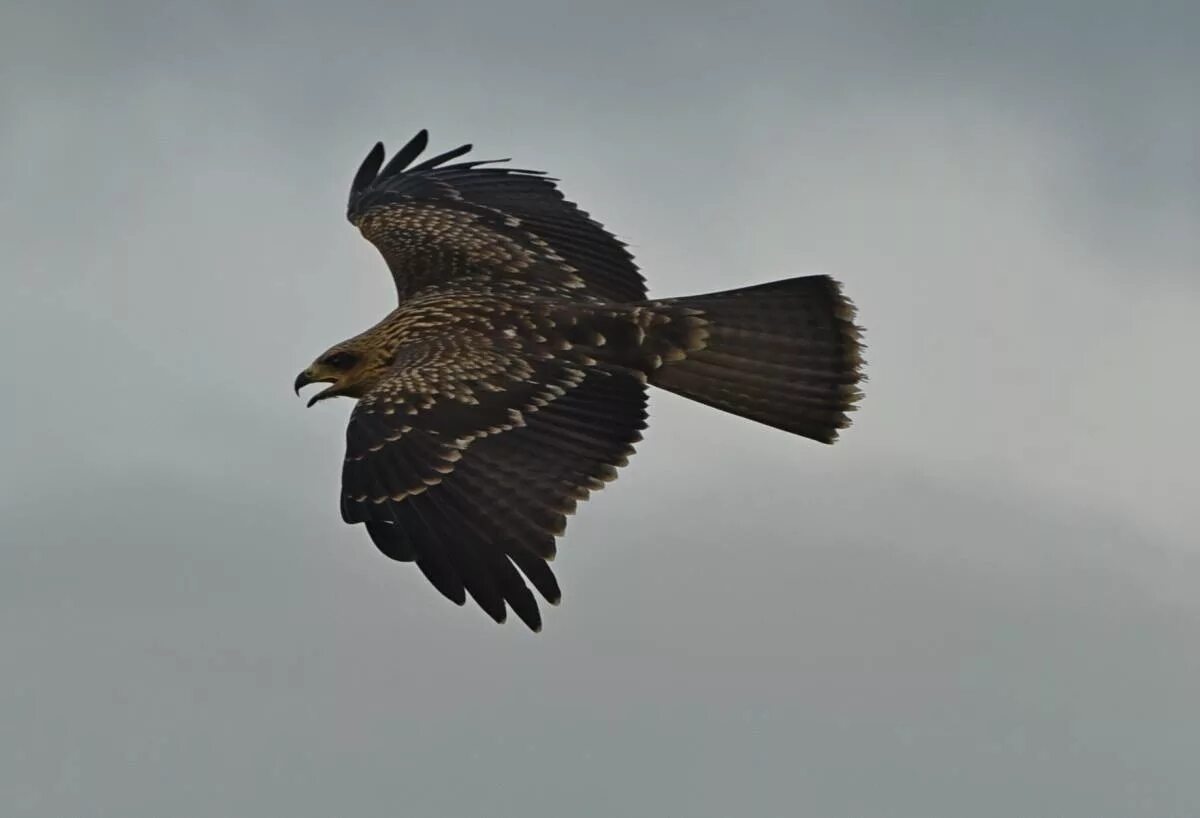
pixel 472 478
pixel 435 221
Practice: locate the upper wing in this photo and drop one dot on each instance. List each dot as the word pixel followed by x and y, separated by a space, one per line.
pixel 435 221
pixel 473 479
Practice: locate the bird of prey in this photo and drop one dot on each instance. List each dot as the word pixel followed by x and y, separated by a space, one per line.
pixel 510 382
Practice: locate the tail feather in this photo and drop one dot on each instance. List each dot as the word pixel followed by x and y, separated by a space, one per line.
pixel 786 354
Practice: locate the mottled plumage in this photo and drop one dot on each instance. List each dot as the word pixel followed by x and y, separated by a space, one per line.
pixel 511 380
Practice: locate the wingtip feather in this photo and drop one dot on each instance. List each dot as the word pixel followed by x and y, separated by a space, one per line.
pixel 368 169
pixel 442 158
pixel 407 154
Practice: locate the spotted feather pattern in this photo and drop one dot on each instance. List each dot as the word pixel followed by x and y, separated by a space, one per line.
pixel 476 498
pixel 437 222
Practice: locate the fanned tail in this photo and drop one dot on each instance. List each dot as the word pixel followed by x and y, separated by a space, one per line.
pixel 786 354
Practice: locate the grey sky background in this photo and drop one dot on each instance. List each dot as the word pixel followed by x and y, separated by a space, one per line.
pixel 983 601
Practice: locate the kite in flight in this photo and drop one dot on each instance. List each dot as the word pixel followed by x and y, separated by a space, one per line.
pixel 510 382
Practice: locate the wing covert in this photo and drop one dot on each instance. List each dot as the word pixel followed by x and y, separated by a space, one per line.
pixel 434 222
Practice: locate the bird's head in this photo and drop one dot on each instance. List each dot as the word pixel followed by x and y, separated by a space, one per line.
pixel 349 367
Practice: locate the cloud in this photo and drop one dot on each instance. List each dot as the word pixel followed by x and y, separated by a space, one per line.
pixel 940 640
pixel 982 599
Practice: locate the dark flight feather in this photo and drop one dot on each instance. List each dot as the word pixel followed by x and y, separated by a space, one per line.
pixel 367 171
pixel 405 155
pixel 442 158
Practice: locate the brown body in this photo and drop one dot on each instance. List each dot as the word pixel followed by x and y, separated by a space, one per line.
pixel 510 382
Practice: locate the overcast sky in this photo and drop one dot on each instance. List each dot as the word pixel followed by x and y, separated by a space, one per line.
pixel 984 601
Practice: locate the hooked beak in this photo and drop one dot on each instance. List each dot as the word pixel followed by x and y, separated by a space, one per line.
pixel 306 377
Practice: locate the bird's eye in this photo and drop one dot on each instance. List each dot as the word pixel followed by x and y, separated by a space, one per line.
pixel 341 360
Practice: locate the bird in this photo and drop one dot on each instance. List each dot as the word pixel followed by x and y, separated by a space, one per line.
pixel 511 380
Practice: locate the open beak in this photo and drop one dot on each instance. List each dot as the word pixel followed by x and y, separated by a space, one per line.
pixel 306 377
